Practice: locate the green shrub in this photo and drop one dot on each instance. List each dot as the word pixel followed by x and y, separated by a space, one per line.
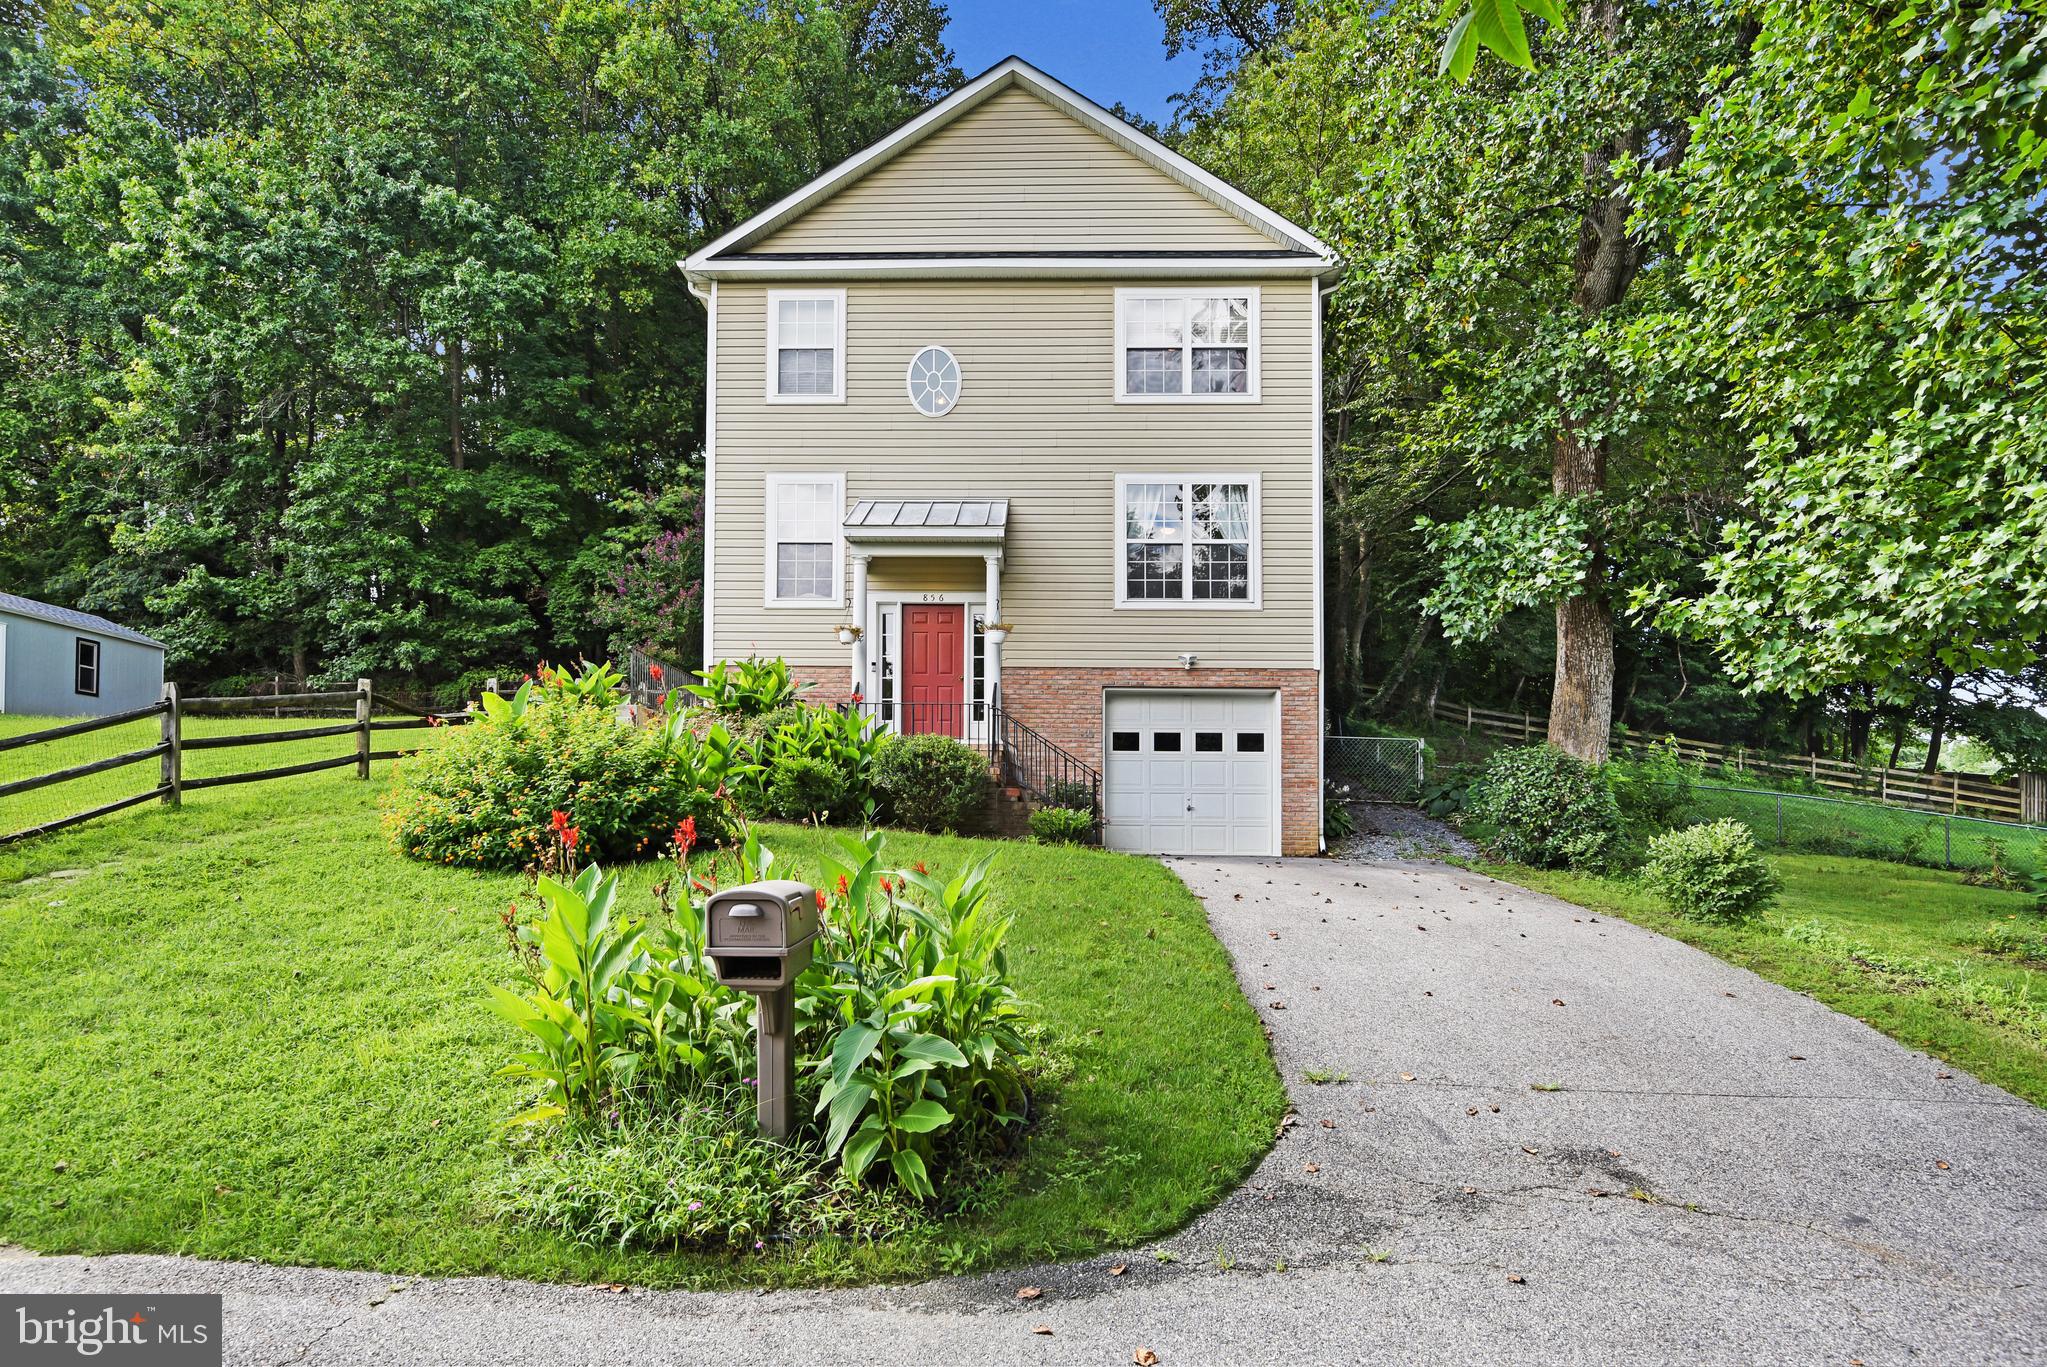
pixel 1713 871
pixel 1337 821
pixel 906 1008
pixel 747 687
pixel 805 789
pixel 931 783
pixel 1655 789
pixel 1548 809
pixel 1063 825
pixel 695 1175
pixel 483 797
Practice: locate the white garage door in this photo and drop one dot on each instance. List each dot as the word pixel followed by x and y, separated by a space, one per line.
pixel 1191 771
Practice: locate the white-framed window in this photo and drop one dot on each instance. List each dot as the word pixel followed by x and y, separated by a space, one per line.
pixel 85 667
pixel 1187 345
pixel 806 547
pixel 806 346
pixel 1187 541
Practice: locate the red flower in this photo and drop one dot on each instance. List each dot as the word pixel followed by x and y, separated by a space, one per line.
pixel 570 836
pixel 685 836
pixel 662 701
pixel 844 891
pixel 559 820
pixel 655 670
pixel 820 898
pixel 887 887
pixel 921 868
pixel 858 696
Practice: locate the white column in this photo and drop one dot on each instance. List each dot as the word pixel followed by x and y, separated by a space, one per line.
pixel 993 649
pixel 859 620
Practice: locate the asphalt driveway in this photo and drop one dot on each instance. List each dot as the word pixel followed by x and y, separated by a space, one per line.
pixel 1541 1136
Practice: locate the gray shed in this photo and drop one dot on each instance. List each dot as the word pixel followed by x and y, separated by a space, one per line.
pixel 59 662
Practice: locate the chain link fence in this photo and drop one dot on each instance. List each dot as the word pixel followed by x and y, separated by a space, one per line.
pixel 1826 825
pixel 1372 768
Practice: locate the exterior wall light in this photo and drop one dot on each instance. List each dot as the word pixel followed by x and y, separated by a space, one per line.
pixel 1187 659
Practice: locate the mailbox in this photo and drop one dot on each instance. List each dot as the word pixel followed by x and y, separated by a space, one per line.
pixel 759 936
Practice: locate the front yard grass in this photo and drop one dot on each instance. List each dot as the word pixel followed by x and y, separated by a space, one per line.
pixel 1899 948
pixel 250 1030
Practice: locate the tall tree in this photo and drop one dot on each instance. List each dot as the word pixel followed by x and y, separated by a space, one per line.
pixel 1860 224
pixel 1480 333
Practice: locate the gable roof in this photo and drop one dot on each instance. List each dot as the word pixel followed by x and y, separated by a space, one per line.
pixel 1265 242
pixel 71 619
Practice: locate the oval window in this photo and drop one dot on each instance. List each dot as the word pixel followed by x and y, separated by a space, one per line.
pixel 934 381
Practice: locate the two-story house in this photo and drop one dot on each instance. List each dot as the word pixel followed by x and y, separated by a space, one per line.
pixel 1017 414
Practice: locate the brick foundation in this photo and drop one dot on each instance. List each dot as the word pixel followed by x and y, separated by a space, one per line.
pixel 1065 706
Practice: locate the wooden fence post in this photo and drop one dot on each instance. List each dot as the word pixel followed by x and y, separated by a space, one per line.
pixel 2033 799
pixel 362 728
pixel 171 767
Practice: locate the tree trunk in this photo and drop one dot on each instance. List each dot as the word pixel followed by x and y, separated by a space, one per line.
pixel 1581 706
pixel 1941 712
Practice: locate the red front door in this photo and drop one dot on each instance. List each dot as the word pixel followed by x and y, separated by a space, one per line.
pixel 934 643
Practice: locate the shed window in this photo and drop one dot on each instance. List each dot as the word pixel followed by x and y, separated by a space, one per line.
pixel 804 556
pixel 1191 541
pixel 806 346
pixel 1173 344
pixel 85 668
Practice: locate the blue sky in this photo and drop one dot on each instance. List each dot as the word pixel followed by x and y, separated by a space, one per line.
pixel 1108 50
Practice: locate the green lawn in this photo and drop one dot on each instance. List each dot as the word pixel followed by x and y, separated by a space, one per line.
pixel 1839 826
pixel 1900 948
pixel 26 810
pixel 249 1030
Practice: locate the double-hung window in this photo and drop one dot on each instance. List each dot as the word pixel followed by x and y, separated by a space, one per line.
pixel 1187 541
pixel 85 667
pixel 805 550
pixel 1187 345
pixel 806 346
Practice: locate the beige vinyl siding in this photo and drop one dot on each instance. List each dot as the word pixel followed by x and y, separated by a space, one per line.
pixel 1016 174
pixel 1038 424
pixel 905 574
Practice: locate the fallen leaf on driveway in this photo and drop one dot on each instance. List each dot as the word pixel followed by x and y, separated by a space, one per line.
pixel 1941 1163
pixel 1041 1329
pixel 1526 1149
pixel 1328 1124
pixel 1145 1357
pixel 1312 1167
pixel 1029 1293
pixel 1471 1191
pixel 1556 1001
pixel 1516 1278
pixel 1471 1110
pixel 1407 1077
pixel 1119 1269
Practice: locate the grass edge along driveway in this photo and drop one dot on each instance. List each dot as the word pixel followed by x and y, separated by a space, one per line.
pixel 251 1030
pixel 1896 947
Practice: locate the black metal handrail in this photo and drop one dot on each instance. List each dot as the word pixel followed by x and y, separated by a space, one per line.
pixel 1043 770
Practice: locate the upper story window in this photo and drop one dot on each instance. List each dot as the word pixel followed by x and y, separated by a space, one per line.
pixel 1187 541
pixel 85 667
pixel 805 554
pixel 1187 345
pixel 806 346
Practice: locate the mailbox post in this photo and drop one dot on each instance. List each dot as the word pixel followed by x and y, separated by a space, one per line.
pixel 759 937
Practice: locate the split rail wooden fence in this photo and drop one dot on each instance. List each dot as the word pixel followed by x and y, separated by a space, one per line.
pixel 173 743
pixel 2023 799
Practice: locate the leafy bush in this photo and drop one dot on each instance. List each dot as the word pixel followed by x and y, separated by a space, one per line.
pixel 906 1008
pixel 804 789
pixel 747 687
pixel 1655 789
pixel 1063 825
pixel 484 796
pixel 920 1027
pixel 1548 809
pixel 1447 795
pixel 1713 871
pixel 695 1175
pixel 1337 821
pixel 932 783
pixel 1070 793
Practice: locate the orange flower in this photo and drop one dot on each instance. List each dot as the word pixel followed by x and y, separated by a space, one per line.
pixel 820 897
pixel 844 891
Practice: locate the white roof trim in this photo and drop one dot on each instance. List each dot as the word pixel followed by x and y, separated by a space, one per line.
pixel 1011 71
pixel 1229 266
